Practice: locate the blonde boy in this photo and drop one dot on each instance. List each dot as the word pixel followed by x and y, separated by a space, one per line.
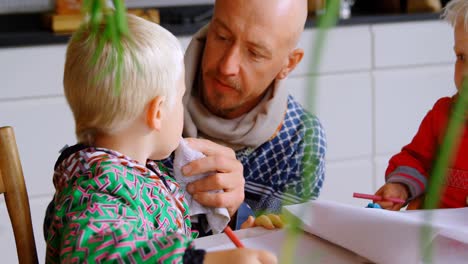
pixel 112 202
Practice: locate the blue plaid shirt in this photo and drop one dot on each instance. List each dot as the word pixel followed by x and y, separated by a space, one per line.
pixel 288 169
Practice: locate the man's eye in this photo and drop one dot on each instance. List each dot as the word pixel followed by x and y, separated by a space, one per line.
pixel 254 54
pixel 221 37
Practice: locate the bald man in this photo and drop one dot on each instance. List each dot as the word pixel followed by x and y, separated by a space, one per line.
pixel 235 97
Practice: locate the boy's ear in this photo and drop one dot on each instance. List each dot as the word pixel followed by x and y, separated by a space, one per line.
pixel 155 112
pixel 293 60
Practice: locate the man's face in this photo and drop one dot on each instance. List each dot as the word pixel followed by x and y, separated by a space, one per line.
pixel 461 51
pixel 245 50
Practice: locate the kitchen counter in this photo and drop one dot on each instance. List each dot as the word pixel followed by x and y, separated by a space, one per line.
pixel 26 30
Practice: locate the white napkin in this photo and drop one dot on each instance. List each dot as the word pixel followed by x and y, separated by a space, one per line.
pixel 217 218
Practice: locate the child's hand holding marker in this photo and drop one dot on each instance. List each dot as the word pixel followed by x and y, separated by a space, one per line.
pixel 391 196
pixel 378 198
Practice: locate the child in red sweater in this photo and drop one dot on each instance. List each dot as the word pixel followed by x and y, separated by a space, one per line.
pixel 408 172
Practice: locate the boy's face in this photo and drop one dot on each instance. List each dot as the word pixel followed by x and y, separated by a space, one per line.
pixel 461 51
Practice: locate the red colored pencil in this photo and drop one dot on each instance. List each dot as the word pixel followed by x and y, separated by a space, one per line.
pixel 377 198
pixel 228 231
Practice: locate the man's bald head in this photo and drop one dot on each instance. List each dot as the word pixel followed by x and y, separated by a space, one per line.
pixel 287 15
pixel 249 45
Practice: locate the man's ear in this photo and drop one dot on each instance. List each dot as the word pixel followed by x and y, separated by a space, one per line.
pixel 293 60
pixel 155 112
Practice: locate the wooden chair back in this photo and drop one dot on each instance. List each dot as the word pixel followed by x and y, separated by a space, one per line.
pixel 13 187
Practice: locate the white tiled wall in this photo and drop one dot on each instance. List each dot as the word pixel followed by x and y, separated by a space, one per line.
pixel 344 102
pixel 346 177
pixel 380 163
pixel 402 98
pixel 417 43
pixel 42 127
pixel 29 72
pixel 374 85
pixel 346 49
pixel 7 243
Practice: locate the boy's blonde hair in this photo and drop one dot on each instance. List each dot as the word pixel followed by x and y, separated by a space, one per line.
pixel 152 66
pixel 455 11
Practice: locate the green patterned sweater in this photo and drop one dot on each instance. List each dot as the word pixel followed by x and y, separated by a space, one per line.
pixel 111 209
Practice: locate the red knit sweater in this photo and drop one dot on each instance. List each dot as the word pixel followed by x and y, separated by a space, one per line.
pixel 413 164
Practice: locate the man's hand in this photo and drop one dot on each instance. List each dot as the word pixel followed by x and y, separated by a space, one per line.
pixel 226 173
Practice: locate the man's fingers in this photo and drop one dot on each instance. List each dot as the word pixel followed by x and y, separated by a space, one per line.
pixel 226 174
pixel 228 200
pixel 217 163
pixel 219 199
pixel 209 148
pixel 215 182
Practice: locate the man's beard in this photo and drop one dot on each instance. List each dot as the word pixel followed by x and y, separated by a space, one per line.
pixel 214 105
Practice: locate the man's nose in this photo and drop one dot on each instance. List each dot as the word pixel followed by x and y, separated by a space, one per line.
pixel 230 63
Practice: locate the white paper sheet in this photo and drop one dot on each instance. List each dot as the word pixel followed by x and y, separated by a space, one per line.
pixel 381 236
pixel 308 248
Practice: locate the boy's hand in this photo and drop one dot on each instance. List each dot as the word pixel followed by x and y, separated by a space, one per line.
pixel 392 190
pixel 241 256
pixel 270 221
pixel 228 176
